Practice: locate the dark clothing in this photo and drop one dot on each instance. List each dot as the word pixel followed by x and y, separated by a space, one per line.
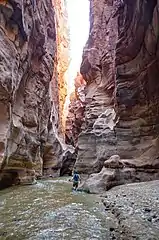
pixel 75 184
pixel 76 179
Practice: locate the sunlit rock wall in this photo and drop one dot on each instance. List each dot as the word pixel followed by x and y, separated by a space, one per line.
pixel 121 68
pixel 62 60
pixel 29 144
pixel 55 150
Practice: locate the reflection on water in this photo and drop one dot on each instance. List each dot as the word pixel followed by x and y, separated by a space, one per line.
pixel 49 210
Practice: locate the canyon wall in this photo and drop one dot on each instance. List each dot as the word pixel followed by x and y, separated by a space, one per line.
pixel 121 67
pixel 29 142
pixel 75 116
pixel 63 61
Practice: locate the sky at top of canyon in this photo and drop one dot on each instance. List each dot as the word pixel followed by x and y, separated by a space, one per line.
pixel 78 19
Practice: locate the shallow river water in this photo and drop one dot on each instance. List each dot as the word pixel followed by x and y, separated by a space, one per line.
pixel 50 210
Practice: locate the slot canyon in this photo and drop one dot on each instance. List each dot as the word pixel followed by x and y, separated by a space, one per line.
pixel 84 99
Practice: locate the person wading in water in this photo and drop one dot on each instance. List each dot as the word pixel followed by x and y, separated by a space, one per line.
pixel 76 179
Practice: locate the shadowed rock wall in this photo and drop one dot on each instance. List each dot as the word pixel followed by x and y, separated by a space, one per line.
pixel 29 144
pixel 121 67
pixel 75 116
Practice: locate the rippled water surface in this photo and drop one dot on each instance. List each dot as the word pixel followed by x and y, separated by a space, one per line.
pixel 50 210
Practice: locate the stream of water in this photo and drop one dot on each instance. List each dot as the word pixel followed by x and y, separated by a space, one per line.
pixel 50 210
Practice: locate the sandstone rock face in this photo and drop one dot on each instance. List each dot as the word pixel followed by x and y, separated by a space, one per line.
pixel 120 65
pixel 68 161
pixel 63 60
pixel 75 116
pixel 29 143
pixel 117 172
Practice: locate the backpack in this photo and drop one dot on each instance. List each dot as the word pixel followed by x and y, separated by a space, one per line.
pixel 76 177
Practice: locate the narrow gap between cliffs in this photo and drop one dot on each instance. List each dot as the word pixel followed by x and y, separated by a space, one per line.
pixel 78 22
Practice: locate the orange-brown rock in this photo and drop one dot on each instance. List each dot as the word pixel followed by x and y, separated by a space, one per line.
pixel 121 67
pixel 29 141
pixel 75 116
pixel 62 58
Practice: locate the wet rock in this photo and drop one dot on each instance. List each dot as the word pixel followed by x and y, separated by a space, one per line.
pixel 111 229
pixel 147 209
pixel 113 237
pixel 149 219
pixel 154 216
pixel 107 209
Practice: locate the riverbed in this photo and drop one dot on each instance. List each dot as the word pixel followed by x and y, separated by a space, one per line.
pixel 50 210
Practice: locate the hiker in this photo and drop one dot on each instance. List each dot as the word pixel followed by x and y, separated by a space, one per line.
pixel 76 179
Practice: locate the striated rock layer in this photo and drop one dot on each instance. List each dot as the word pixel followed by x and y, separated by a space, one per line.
pixel 121 67
pixel 75 116
pixel 62 61
pixel 29 144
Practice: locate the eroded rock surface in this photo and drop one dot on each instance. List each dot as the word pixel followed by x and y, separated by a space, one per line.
pixel 75 116
pixel 29 143
pixel 68 161
pixel 121 68
pixel 62 62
